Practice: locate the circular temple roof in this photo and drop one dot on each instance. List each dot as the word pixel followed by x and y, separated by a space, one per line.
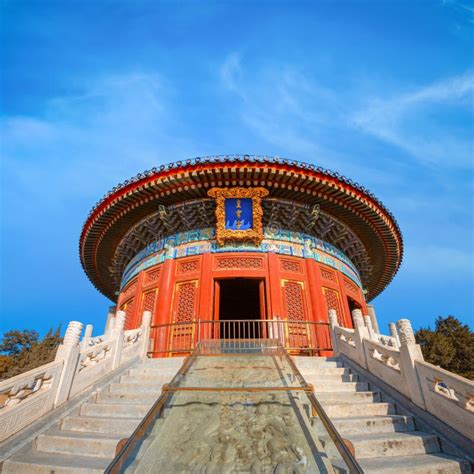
pixel 351 217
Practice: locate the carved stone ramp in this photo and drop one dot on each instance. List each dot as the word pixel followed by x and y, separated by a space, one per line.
pixel 233 413
pixel 85 440
pixel 385 437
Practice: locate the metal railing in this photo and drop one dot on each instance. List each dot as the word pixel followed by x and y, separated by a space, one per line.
pixel 127 448
pixel 297 337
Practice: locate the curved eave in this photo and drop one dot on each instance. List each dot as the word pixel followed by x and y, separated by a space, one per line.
pixel 357 208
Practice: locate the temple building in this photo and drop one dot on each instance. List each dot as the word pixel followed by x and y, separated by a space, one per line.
pixel 209 243
pixel 241 338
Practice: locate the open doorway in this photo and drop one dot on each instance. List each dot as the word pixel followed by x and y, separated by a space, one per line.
pixel 240 299
pixel 352 306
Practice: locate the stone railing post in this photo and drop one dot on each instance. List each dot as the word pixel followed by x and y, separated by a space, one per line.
pixel 116 337
pixel 332 325
pixel 393 332
pixel 110 318
pixel 87 336
pixel 410 351
pixel 360 333
pixel 68 352
pixel 370 329
pixel 373 317
pixel 146 322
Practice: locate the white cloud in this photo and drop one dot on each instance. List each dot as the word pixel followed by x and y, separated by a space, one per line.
pixel 85 142
pixel 415 121
pixel 291 110
pixel 83 145
pixel 230 72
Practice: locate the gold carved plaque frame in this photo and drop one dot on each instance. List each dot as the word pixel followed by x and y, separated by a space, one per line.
pixel 255 234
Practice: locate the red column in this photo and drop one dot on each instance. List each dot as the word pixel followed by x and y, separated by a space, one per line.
pixel 314 290
pixel 163 305
pixel 206 306
pixel 318 305
pixel 136 317
pixel 275 307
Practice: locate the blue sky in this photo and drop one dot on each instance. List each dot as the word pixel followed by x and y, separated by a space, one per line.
pixel 93 92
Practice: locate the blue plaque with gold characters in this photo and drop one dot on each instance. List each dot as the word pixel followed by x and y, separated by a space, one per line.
pixel 238 214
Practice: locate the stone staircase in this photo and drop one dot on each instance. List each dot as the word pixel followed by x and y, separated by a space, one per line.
pixel 85 440
pixel 385 439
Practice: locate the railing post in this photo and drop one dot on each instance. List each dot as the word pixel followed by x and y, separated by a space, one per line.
pixel 87 336
pixel 410 351
pixel 116 338
pixel 360 333
pixel 280 331
pixel 373 317
pixel 393 332
pixel 146 321
pixel 370 329
pixel 332 325
pixel 68 352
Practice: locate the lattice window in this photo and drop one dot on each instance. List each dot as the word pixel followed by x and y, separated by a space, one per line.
pixel 294 300
pixel 128 308
pixel 332 302
pixel 186 302
pixel 191 266
pixel 327 275
pixel 350 287
pixel 149 301
pixel 152 276
pixel 130 289
pixel 238 262
pixel 290 266
pixel 298 335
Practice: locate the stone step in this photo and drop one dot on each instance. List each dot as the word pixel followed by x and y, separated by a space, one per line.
pixel 324 371
pixel 164 362
pixel 375 445
pixel 153 371
pixel 347 397
pixel 368 424
pixel 46 463
pixel 336 387
pixel 91 424
pixel 122 387
pixel 345 410
pixel 122 410
pixel 127 397
pixel 78 443
pixel 438 463
pixel 316 378
pixel 314 363
pixel 145 379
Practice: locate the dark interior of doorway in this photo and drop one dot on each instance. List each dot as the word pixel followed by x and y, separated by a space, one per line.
pixel 352 306
pixel 239 300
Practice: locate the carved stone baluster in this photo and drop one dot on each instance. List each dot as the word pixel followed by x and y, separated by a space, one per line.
pixel 116 338
pixel 393 332
pixel 87 337
pixel 333 324
pixel 146 322
pixel 68 352
pixel 360 333
pixel 410 351
pixel 370 329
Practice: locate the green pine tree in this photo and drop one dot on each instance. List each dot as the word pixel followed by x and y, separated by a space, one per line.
pixel 24 351
pixel 450 345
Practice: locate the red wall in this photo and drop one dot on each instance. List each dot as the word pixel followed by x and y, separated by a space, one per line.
pixel 182 290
